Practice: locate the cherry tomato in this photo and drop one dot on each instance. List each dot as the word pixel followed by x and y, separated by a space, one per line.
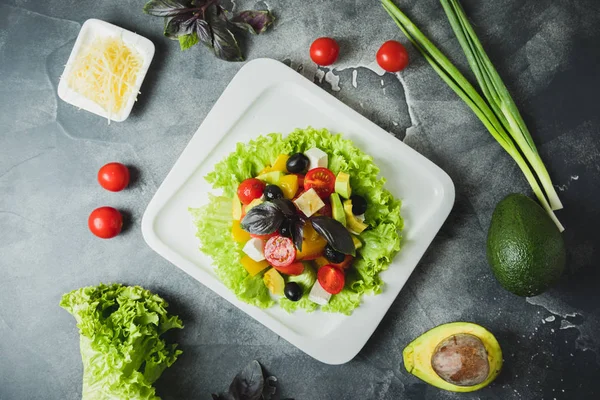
pixel 250 189
pixel 105 222
pixel 113 176
pixel 293 269
pixel 331 279
pixel 392 56
pixel 324 51
pixel 280 251
pixel 264 237
pixel 322 180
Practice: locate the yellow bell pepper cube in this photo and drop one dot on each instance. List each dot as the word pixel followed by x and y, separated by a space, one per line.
pixel 280 163
pixel 321 261
pixel 238 234
pixel 253 267
pixel 289 186
pixel 312 248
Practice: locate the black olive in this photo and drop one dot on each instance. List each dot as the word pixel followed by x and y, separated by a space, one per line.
pixel 333 255
pixel 292 291
pixel 273 192
pixel 297 164
pixel 359 204
pixel 286 228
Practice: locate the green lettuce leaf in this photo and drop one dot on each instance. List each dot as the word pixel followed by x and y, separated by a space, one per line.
pixel 381 240
pixel 121 347
pixel 213 228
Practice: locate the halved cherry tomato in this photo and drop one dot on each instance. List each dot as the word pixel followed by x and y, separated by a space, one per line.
pixel 105 222
pixel 392 56
pixel 280 251
pixel 293 269
pixel 322 180
pixel 250 189
pixel 331 279
pixel 113 176
pixel 264 237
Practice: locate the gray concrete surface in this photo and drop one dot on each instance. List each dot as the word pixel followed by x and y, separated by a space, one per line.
pixel 549 54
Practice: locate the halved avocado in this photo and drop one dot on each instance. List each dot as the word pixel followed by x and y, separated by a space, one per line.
pixel 458 351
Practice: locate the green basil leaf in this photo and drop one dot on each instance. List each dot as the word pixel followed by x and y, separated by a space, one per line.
pixel 335 233
pixel 248 384
pixel 263 219
pixel 253 21
pixel 187 41
pixel 166 8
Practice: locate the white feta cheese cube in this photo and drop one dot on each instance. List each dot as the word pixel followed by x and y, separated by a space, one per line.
pixel 309 202
pixel 254 248
pixel 318 294
pixel 316 157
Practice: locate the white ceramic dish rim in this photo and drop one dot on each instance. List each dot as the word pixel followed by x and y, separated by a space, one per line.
pixel 336 347
pixel 90 30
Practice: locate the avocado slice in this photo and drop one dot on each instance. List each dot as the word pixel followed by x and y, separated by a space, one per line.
pixel 337 210
pixel 342 185
pixel 525 250
pixel 424 357
pixel 272 177
pixel 352 222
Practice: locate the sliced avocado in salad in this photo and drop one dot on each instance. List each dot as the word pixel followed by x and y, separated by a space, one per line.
pixel 353 223
pixel 272 177
pixel 342 185
pixel 337 210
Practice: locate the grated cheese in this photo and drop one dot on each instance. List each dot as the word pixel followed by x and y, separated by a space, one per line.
pixel 105 72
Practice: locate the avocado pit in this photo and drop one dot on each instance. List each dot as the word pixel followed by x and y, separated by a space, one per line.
pixel 461 359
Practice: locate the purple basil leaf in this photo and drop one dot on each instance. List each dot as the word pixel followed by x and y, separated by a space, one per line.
pixel 166 8
pixel 335 233
pixel 224 43
pixel 297 233
pixel 262 219
pixel 248 384
pixel 286 206
pixel 203 32
pixel 253 21
pixel 182 24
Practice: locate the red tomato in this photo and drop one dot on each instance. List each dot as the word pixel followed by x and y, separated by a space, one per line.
pixel 331 279
pixel 250 189
pixel 322 180
pixel 264 237
pixel 324 51
pixel 392 56
pixel 280 251
pixel 346 263
pixel 113 176
pixel 293 269
pixel 105 222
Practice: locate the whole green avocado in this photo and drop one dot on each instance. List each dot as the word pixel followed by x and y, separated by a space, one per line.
pixel 524 247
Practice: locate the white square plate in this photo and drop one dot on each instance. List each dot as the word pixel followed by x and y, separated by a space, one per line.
pixel 266 96
pixel 92 29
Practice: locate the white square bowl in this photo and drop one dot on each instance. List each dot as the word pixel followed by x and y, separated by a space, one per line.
pixel 91 30
pixel 266 96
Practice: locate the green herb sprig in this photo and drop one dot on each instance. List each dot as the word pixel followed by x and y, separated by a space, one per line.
pixel 498 112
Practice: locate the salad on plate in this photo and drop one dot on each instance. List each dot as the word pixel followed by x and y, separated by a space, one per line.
pixel 303 221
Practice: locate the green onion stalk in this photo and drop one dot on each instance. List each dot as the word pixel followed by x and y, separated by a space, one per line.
pixel 498 112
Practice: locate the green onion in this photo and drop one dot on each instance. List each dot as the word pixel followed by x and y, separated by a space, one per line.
pixel 497 111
